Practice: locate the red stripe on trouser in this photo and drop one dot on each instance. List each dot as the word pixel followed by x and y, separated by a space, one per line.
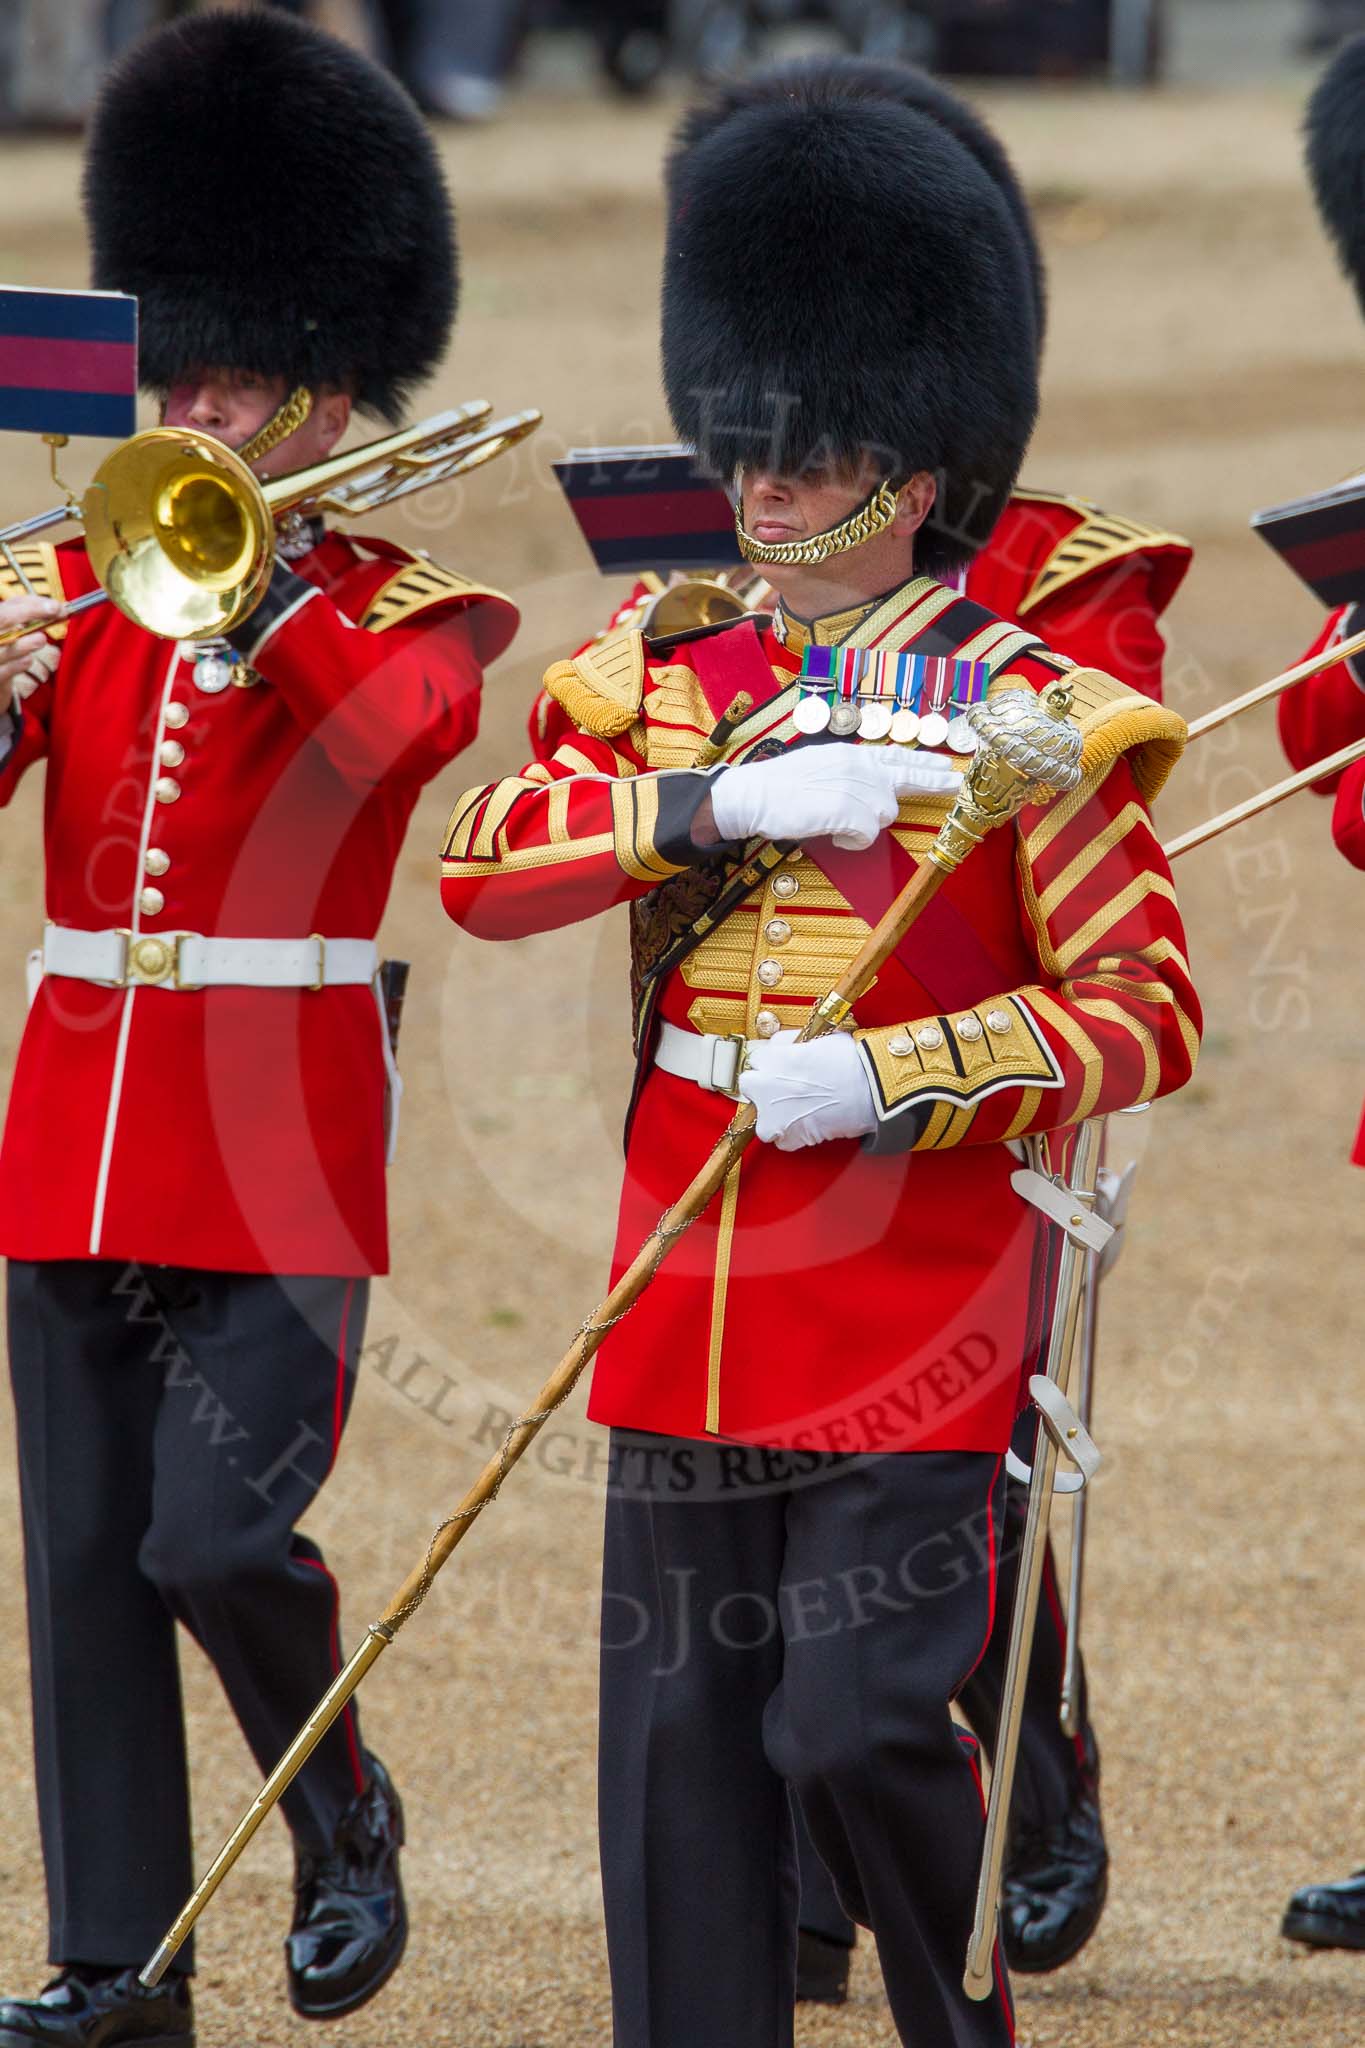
pixel 971 1749
pixel 993 1571
pixel 315 1564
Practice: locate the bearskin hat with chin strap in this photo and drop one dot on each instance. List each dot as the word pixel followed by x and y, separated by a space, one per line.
pixel 276 203
pixel 845 278
pixel 1334 133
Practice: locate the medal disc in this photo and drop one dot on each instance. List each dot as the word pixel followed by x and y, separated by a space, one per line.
pixel 811 715
pixel 905 728
pixel 933 729
pixel 843 719
pixel 874 721
pixel 212 674
pixel 962 737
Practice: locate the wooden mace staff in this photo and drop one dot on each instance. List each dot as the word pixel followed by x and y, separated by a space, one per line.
pixel 1029 751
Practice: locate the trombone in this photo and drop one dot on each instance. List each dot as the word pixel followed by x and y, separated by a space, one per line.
pixel 181 532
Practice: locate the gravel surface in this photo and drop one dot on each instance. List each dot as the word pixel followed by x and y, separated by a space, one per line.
pixel 1204 359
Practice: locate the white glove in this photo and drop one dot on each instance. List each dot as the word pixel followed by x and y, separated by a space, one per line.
pixel 41 669
pixel 839 791
pixel 805 1094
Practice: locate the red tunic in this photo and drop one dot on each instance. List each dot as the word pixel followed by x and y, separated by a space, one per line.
pixel 233 1128
pixel 837 1299
pixel 1317 718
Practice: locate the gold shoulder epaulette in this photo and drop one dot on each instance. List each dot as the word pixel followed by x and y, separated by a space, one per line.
pixel 40 576
pixel 603 688
pixel 1100 540
pixel 1115 720
pixel 413 588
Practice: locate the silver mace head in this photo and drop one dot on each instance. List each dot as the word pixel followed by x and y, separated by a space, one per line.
pixel 1029 751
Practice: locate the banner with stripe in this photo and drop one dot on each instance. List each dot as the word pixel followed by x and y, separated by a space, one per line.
pixel 645 509
pixel 68 363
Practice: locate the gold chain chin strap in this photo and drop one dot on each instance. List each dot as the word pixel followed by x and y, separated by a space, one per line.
pixel 281 424
pixel 865 524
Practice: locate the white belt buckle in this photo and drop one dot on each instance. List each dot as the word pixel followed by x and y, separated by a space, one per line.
pixel 150 960
pixel 738 1047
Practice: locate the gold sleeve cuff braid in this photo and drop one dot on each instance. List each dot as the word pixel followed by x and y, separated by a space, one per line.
pixel 603 688
pixel 652 822
pixel 958 1059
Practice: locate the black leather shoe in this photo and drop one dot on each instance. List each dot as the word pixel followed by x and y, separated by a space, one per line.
pixel 85 2007
pixel 1328 1915
pixel 1056 1880
pixel 821 1969
pixel 350 1922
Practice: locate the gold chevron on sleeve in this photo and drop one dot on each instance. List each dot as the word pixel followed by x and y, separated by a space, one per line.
pixel 32 568
pixel 1080 942
pixel 1100 540
pixel 1084 864
pixel 1087 1052
pixel 1103 1007
pixel 418 585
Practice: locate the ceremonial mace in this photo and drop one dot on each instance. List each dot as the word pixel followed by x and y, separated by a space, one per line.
pixel 1062 1432
pixel 1028 752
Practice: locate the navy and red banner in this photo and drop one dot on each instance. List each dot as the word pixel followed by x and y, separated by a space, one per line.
pixel 648 508
pixel 1322 538
pixel 68 363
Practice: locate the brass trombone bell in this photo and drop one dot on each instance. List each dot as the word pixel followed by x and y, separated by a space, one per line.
pixel 179 532
pixel 692 605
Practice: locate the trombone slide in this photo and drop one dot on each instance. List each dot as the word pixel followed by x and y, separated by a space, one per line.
pixel 68 610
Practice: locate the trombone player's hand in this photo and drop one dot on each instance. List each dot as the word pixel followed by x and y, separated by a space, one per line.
pixel 27 662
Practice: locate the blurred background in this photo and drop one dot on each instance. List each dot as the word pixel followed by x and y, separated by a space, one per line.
pixel 1204 358
pixel 459 57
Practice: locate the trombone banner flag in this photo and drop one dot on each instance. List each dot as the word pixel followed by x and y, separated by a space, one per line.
pixel 649 509
pixel 68 363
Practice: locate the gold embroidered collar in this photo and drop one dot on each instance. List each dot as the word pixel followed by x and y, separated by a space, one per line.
pixel 796 635
pixel 837 629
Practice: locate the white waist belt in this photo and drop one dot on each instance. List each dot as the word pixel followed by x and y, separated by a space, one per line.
pixel 712 1062
pixel 716 1063
pixel 188 960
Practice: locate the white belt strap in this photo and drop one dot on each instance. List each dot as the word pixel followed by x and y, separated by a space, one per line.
pixel 188 960
pixel 714 1063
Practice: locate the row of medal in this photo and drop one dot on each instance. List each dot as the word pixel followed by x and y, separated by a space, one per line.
pixel 911 699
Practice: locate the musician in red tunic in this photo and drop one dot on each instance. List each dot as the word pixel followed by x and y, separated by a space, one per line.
pixel 811 1404
pixel 1326 713
pixel 192 1178
pixel 1094 587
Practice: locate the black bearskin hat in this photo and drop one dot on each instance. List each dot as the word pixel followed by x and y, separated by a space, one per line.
pixel 276 203
pixel 844 279
pixel 1334 130
pixel 909 87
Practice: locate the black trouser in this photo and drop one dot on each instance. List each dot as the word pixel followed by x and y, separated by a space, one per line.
pixel 172 1428
pixel 1051 1766
pixel 770 1617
